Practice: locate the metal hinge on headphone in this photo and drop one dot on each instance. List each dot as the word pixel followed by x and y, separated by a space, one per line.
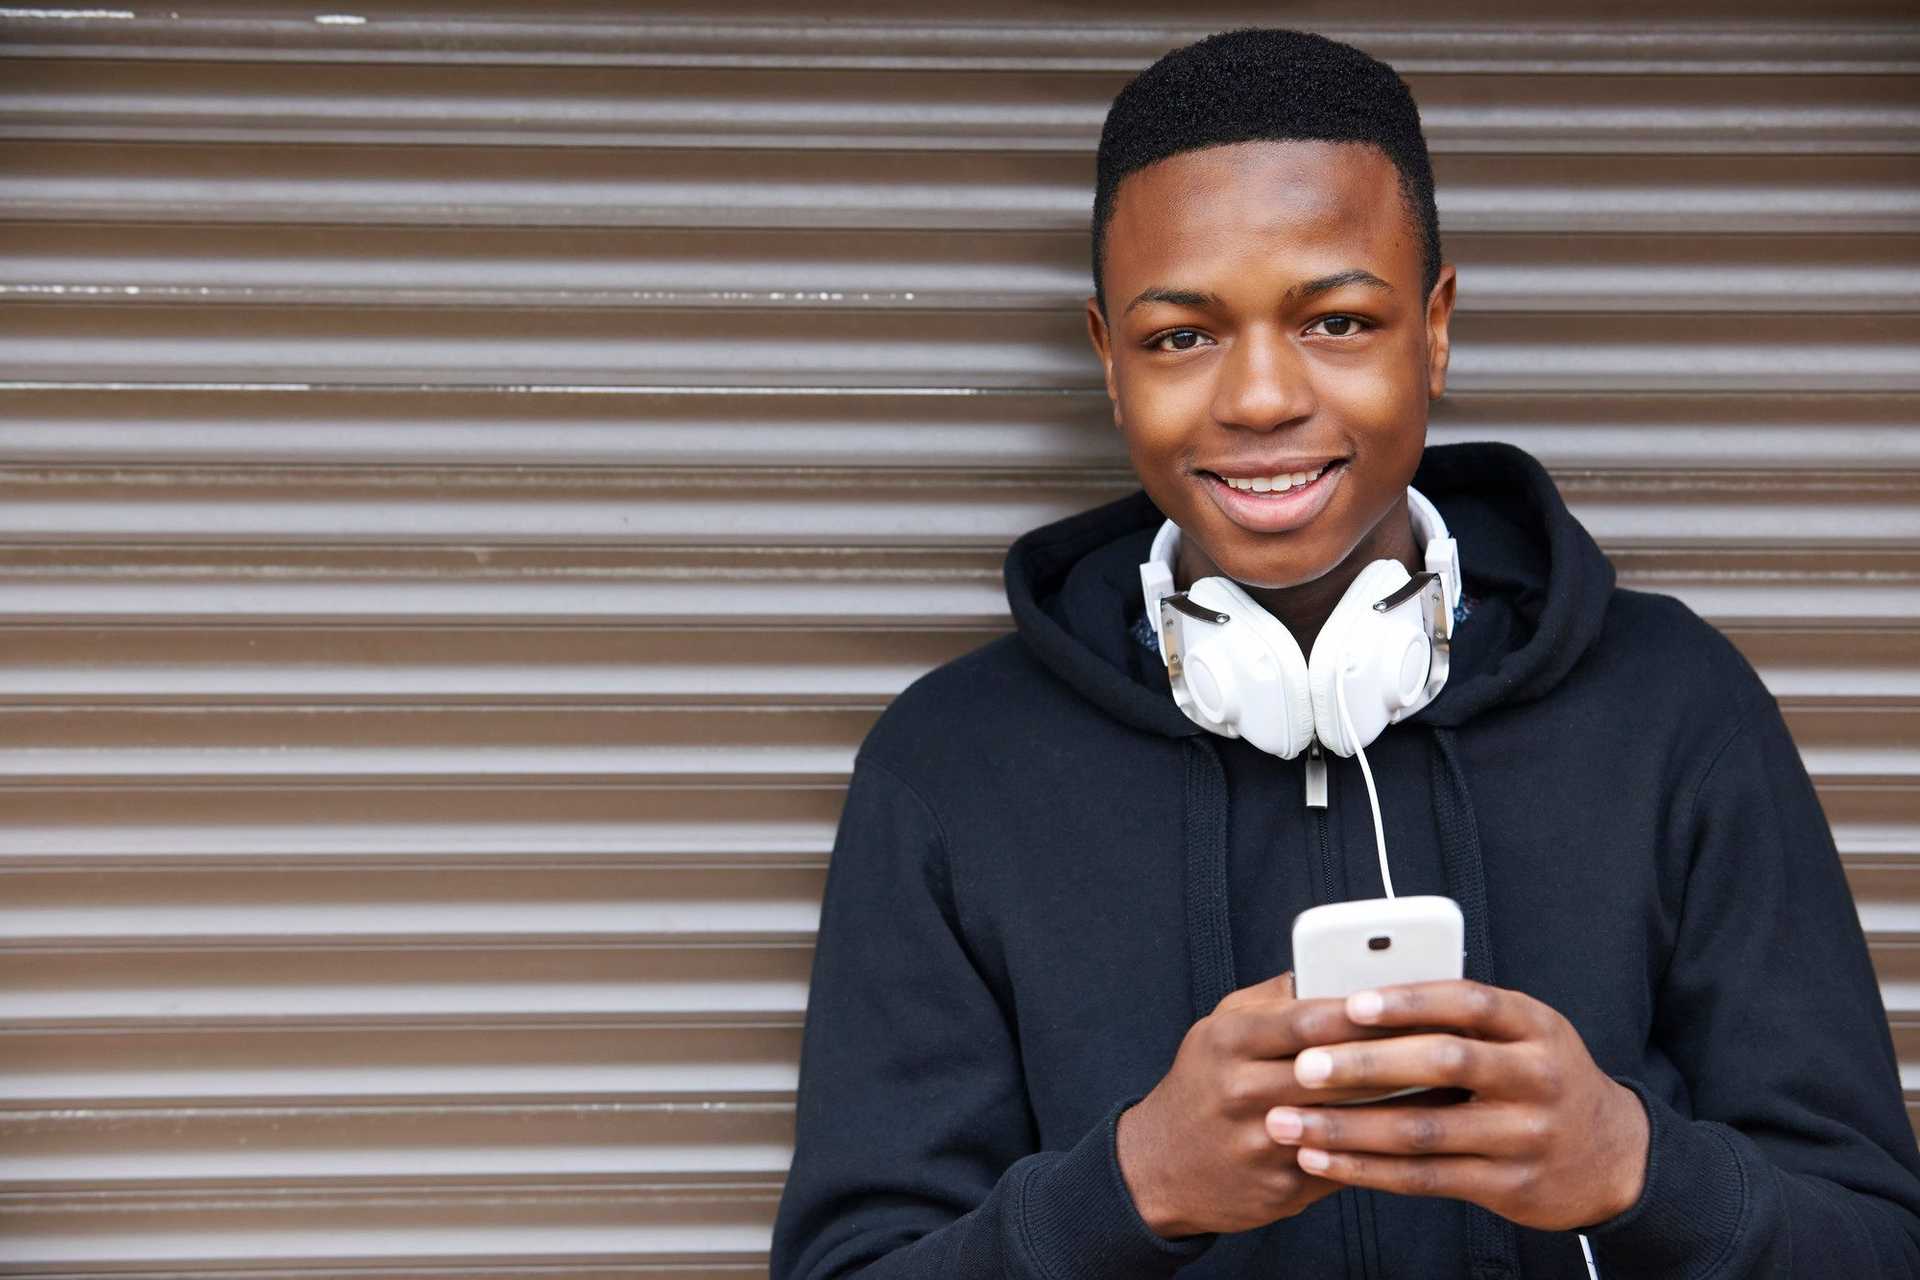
pixel 1170 636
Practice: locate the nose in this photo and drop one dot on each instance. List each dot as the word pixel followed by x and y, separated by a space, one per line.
pixel 1263 382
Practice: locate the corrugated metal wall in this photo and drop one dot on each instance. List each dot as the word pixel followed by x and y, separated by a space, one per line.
pixel 472 475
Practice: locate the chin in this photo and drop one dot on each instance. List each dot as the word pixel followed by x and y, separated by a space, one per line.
pixel 1271 561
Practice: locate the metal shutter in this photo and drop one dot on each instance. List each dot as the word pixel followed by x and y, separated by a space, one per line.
pixel 472 474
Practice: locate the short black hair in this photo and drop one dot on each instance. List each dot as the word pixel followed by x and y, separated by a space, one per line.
pixel 1262 84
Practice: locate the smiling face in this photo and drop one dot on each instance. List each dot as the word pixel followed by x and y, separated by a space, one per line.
pixel 1268 325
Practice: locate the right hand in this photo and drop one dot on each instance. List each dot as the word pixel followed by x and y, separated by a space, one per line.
pixel 1195 1152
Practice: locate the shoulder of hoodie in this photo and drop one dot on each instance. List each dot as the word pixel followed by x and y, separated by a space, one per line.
pixel 971 723
pixel 1681 667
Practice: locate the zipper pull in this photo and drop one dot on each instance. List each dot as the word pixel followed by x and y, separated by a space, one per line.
pixel 1316 776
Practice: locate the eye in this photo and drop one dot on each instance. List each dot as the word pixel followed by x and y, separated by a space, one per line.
pixel 1342 326
pixel 1176 340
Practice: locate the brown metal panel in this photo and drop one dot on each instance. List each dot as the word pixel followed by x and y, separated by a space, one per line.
pixel 1016 350
pixel 962 109
pixel 470 475
pixel 149 824
pixel 813 270
pixel 926 427
pixel 762 506
pixel 781 188
pixel 1760 37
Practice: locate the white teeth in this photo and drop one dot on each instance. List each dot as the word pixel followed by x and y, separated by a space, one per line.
pixel 1274 484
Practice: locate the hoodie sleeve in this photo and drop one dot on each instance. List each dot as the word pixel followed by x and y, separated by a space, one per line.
pixel 1798 1159
pixel 914 1149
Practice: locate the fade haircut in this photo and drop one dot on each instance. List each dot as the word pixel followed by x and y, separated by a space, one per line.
pixel 1265 85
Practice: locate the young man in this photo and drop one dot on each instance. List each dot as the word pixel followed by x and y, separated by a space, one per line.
pixel 1051 1032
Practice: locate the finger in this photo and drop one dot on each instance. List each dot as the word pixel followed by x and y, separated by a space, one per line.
pixel 1282 1028
pixel 1427 1061
pixel 1454 1177
pixel 1493 1013
pixel 1259 1084
pixel 1466 1129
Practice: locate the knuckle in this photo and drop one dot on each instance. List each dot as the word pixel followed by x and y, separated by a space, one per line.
pixel 1239 1087
pixel 1250 1145
pixel 1421 1178
pixel 1359 1064
pixel 1546 1074
pixel 1450 1058
pixel 1423 1133
pixel 1224 1035
pixel 1279 1183
pixel 1200 1036
pixel 1481 1003
pixel 1310 1023
pixel 1287 1185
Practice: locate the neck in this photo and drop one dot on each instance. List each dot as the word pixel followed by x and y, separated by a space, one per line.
pixel 1304 608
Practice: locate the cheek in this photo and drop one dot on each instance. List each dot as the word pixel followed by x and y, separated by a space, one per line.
pixel 1381 390
pixel 1384 404
pixel 1160 412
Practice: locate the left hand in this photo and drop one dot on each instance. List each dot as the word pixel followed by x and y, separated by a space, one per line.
pixel 1546 1140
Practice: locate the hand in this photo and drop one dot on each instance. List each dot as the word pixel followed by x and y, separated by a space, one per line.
pixel 1194 1153
pixel 1546 1140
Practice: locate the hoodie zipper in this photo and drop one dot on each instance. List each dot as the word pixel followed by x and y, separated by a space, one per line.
pixel 1316 787
pixel 1362 1246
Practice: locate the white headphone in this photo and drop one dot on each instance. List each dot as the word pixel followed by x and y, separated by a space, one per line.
pixel 1237 671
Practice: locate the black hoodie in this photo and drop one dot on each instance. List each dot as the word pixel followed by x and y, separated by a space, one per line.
pixel 1045 874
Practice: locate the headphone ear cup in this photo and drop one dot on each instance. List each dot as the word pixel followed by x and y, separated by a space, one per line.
pixel 1278 716
pixel 1349 630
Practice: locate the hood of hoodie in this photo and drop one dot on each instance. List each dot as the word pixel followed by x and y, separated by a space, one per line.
pixel 1540 581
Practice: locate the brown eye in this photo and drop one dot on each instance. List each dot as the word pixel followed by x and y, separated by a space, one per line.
pixel 1341 326
pixel 1178 340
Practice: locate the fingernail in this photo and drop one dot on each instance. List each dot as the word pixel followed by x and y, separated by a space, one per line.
pixel 1284 1124
pixel 1365 1006
pixel 1312 1067
pixel 1313 1161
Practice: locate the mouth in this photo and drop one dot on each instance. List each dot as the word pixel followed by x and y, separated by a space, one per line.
pixel 1277 503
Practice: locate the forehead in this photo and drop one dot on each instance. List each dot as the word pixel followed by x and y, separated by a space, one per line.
pixel 1277 201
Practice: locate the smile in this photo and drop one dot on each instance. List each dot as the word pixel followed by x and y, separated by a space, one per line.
pixel 1276 483
pixel 1278 503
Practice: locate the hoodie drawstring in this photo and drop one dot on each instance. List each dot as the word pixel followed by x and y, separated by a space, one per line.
pixel 1209 931
pixel 1493 1252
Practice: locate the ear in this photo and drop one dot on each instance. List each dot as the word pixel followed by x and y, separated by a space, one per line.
pixel 1439 316
pixel 1103 347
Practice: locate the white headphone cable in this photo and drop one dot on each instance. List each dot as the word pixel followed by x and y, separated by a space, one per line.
pixel 1386 877
pixel 1373 795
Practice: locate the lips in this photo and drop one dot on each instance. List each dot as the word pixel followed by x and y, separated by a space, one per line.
pixel 1275 512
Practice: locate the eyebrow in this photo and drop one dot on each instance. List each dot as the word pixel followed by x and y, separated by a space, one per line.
pixel 1177 297
pixel 1299 292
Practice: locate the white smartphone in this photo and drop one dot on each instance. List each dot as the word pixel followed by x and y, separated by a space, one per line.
pixel 1345 947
